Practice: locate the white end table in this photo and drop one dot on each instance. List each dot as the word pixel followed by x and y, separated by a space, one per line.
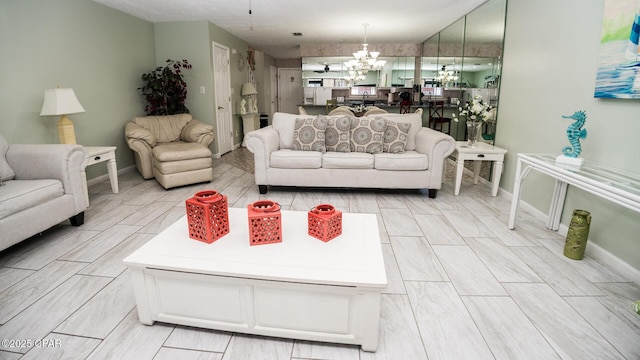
pixel 97 154
pixel 479 153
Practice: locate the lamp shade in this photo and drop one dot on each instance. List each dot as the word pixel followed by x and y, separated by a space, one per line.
pixel 248 89
pixel 60 102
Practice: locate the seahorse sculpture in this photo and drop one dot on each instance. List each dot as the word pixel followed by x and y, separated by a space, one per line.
pixel 575 132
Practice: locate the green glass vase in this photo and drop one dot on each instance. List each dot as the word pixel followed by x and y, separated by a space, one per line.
pixel 577 235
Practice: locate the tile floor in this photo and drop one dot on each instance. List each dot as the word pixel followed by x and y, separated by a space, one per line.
pixel 460 284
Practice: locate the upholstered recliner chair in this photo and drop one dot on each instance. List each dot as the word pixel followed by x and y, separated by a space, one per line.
pixel 173 148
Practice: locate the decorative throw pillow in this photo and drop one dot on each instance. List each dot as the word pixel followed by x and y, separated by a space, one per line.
pixel 336 136
pixel 395 137
pixel 308 134
pixel 367 134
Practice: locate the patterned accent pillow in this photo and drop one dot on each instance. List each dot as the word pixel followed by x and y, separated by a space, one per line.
pixel 336 136
pixel 395 137
pixel 308 134
pixel 367 134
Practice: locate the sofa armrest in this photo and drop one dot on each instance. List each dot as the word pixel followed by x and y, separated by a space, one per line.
pixel 133 132
pixel 262 143
pixel 438 146
pixel 197 132
pixel 52 161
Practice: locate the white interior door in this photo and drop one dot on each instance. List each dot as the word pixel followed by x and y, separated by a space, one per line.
pixel 222 83
pixel 273 76
pixel 289 90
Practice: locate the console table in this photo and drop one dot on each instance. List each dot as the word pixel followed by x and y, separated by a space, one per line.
pixel 617 186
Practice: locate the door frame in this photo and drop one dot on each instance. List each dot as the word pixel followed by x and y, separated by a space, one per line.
pixel 228 103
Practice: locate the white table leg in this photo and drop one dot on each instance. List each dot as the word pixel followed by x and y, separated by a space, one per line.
pixel 113 175
pixel 459 171
pixel 516 196
pixel 477 164
pixel 495 179
pixel 557 204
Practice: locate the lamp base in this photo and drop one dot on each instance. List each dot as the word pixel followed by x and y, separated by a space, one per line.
pixel 66 133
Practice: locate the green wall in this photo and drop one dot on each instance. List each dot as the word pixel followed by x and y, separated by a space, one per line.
pixel 97 51
pixel 551 72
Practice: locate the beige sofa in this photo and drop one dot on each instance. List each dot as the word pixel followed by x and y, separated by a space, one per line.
pixel 42 185
pixel 421 165
pixel 174 149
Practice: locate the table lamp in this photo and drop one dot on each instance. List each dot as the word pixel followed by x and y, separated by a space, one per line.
pixel 249 91
pixel 62 102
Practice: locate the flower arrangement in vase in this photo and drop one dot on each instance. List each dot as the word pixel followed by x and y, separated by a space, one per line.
pixel 477 112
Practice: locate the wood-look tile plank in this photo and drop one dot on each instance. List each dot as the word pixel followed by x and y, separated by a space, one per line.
pixel 569 334
pixel 467 272
pixel 625 338
pixel 110 264
pixel 400 222
pixel 328 351
pixel 100 315
pixel 447 329
pixel 509 237
pixel 507 330
pixel 198 339
pixel 6 355
pixel 166 353
pixel 59 346
pixel 556 272
pixel 394 278
pixel 163 221
pixel 503 263
pixel 58 304
pixel 148 213
pixel 416 259
pixel 437 230
pixel 10 276
pixel 618 299
pixel 26 292
pixel 399 337
pixel 363 203
pixel 477 205
pixel 248 347
pixel 421 205
pixel 388 200
pixel 111 214
pixel 132 340
pixel 466 224
pixel 99 245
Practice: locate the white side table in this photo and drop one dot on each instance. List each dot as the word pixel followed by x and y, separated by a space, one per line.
pixel 481 152
pixel 97 154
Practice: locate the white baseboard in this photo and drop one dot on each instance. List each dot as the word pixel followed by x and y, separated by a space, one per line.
pixel 596 251
pixel 104 177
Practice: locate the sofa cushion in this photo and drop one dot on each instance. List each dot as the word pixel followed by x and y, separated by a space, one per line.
pixel 165 128
pixel 294 159
pixel 409 160
pixel 395 137
pixel 416 124
pixel 367 134
pixel 175 167
pixel 179 150
pixel 284 123
pixel 6 172
pixel 18 195
pixel 336 136
pixel 351 160
pixel 308 134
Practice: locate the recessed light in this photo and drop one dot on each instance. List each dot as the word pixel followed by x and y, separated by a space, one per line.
pixel 297 34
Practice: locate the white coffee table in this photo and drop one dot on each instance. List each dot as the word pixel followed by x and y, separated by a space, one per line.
pixel 479 153
pixel 301 288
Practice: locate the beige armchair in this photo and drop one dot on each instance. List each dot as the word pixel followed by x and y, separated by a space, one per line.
pixel 174 149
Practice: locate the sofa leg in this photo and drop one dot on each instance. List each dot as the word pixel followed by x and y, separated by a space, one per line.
pixel 262 189
pixel 433 193
pixel 77 220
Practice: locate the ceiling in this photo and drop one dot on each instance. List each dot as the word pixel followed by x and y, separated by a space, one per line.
pixel 272 23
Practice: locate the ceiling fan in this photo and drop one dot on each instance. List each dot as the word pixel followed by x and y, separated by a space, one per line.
pixel 326 69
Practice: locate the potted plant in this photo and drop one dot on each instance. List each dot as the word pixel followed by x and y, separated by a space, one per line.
pixel 164 90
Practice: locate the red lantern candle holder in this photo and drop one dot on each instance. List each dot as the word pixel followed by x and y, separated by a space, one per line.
pixel 325 222
pixel 208 216
pixel 265 222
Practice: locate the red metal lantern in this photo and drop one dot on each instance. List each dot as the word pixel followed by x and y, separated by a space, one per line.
pixel 208 216
pixel 265 222
pixel 325 222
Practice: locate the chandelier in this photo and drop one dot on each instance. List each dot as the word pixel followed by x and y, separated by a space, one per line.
pixel 363 62
pixel 446 76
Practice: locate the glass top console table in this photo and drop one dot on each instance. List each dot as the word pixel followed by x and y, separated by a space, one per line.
pixel 617 186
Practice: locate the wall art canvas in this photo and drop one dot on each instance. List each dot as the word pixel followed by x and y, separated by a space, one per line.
pixel 619 62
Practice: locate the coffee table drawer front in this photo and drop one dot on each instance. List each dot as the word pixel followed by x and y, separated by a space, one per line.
pixel 196 296
pixel 314 308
